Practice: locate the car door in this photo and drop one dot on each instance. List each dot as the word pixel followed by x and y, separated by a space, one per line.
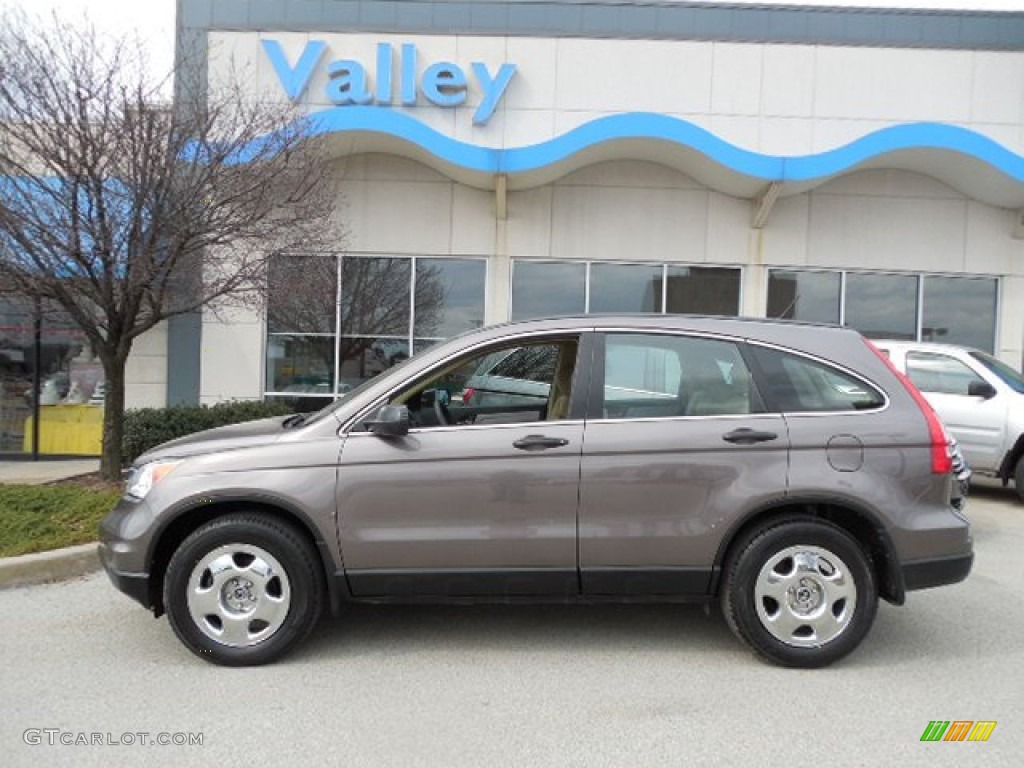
pixel 676 448
pixel 978 422
pixel 484 505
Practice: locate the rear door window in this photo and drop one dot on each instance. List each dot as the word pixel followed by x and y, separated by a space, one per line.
pixel 793 383
pixel 663 375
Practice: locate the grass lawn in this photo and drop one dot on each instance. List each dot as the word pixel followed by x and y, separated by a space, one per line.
pixel 34 518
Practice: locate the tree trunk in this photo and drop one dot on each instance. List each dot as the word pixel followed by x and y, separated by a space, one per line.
pixel 113 419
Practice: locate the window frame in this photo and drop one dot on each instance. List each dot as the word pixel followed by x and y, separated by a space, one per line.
pixel 409 338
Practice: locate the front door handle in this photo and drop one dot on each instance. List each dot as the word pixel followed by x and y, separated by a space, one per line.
pixel 539 443
pixel 748 436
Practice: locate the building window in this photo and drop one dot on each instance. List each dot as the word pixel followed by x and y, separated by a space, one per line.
pixel 954 310
pixel 703 290
pixel 801 295
pixel 334 322
pixel 960 310
pixel 882 306
pixel 546 288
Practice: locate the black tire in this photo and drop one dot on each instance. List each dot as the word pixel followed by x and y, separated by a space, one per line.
pixel 1018 478
pixel 255 580
pixel 812 565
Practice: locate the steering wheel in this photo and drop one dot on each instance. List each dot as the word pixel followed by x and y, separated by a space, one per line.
pixel 444 416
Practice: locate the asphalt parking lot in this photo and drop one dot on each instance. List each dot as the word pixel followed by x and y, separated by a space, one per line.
pixel 522 686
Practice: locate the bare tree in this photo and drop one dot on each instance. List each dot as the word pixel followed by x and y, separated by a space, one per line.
pixel 125 211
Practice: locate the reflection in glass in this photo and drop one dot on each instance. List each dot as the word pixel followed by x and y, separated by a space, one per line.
pixel 542 289
pixel 375 296
pixel 300 364
pixel 959 310
pixel 421 344
pixel 449 296
pixel 803 295
pixel 625 288
pixel 301 294
pixel 301 403
pixel 69 374
pixel 363 357
pixel 703 290
pixel 882 306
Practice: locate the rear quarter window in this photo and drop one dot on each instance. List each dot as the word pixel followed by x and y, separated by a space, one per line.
pixel 793 383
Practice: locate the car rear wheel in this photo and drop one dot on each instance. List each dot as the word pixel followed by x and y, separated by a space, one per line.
pixel 799 593
pixel 243 590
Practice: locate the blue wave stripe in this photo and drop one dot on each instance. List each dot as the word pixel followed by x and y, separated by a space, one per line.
pixel 655 127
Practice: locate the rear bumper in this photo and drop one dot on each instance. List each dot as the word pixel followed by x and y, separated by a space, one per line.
pixel 935 572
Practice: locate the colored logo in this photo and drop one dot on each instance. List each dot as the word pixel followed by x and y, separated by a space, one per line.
pixel 349 81
pixel 958 730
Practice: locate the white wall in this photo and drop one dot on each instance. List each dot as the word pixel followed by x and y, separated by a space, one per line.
pixel 146 370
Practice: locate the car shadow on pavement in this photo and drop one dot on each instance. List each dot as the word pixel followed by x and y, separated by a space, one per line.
pixel 405 629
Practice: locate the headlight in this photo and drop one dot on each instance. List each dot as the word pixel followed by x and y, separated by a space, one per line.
pixel 141 481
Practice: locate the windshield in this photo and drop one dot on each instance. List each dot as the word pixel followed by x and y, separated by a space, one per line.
pixel 1012 378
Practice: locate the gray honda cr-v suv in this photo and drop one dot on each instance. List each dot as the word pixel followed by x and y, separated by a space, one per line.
pixel 784 470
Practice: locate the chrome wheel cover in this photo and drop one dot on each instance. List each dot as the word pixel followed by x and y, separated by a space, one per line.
pixel 805 596
pixel 238 595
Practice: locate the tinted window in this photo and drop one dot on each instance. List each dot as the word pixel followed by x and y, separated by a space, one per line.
pixel 940 373
pixel 800 295
pixel 625 288
pixel 796 384
pixel 703 290
pixel 960 310
pixel 545 289
pixel 660 375
pixel 882 306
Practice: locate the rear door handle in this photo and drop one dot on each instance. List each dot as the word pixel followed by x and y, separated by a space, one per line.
pixel 539 443
pixel 748 436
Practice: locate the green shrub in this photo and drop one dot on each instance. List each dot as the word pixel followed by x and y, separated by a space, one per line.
pixel 146 428
pixel 34 518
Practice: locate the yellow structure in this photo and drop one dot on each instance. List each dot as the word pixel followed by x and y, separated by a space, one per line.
pixel 67 429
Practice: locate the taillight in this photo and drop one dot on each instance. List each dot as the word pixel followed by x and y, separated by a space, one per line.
pixel 467 395
pixel 942 459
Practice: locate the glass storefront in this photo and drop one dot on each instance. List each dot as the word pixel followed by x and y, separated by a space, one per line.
pixel 70 383
pixel 948 309
pixel 548 288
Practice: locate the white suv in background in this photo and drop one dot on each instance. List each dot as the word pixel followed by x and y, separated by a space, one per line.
pixel 980 399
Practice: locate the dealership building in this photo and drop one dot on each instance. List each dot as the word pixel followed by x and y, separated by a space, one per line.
pixel 505 160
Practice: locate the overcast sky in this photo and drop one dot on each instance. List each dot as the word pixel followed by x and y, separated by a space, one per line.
pixel 155 18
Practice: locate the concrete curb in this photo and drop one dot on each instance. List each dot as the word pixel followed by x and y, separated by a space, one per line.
pixel 55 565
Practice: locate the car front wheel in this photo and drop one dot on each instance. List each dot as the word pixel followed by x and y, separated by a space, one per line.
pixel 800 592
pixel 243 590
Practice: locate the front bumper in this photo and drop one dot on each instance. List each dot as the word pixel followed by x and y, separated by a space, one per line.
pixel 124 538
pixel 936 572
pixel 135 585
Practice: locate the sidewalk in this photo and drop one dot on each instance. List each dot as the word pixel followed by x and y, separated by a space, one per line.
pixel 56 564
pixel 39 472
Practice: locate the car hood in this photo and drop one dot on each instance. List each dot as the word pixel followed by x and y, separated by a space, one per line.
pixel 229 438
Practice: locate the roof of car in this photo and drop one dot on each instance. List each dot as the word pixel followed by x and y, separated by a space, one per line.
pixel 925 345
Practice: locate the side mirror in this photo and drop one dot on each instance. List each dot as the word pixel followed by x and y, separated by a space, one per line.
pixel 982 389
pixel 391 421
